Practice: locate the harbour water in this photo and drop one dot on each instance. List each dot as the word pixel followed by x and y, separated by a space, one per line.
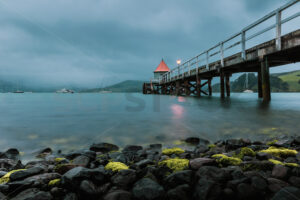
pixel 31 121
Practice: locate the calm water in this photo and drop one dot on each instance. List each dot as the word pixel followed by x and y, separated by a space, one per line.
pixel 71 121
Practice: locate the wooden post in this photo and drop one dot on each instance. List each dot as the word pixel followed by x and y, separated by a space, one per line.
pixel 198 86
pixel 177 88
pixel 259 83
pixel 222 88
pixel 227 85
pixel 265 80
pixel 187 88
pixel 209 87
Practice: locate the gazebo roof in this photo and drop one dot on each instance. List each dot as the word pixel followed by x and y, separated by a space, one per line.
pixel 162 67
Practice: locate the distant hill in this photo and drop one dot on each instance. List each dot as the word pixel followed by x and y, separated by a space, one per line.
pixel 125 86
pixel 281 82
pixel 6 86
pixel 292 79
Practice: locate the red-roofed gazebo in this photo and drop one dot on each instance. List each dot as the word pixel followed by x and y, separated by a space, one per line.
pixel 161 69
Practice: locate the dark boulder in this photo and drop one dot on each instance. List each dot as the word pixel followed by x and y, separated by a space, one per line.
pixel 287 193
pixel 280 171
pixel 118 195
pixel 33 194
pixel 193 140
pixel 42 179
pixel 276 184
pixel 297 140
pixel 148 189
pixel 57 193
pixel 233 144
pixel 9 164
pixel 118 157
pixel 228 193
pixel 143 163
pixel 12 154
pixel 155 146
pixel 199 162
pixel 63 168
pixel 263 156
pixel 73 177
pixel 43 152
pixel 295 181
pixel 179 178
pixel 70 196
pixel 214 173
pixel 207 189
pixel 259 183
pixel 132 148
pixel 246 191
pixel 19 175
pixel 89 188
pixel 291 160
pixel 81 160
pixel 72 155
pixel 2 173
pixel 284 142
pixel 124 178
pixel 2 196
pixel 201 149
pixel 181 192
pixel 104 147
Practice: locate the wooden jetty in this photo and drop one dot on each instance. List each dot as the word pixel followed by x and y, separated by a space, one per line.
pixel 190 77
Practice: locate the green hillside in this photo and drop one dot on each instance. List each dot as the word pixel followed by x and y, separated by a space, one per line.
pixel 283 82
pixel 125 86
pixel 292 79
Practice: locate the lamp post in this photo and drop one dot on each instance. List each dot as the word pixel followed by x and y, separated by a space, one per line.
pixel 178 64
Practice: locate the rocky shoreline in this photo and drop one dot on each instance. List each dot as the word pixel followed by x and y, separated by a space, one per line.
pixel 229 169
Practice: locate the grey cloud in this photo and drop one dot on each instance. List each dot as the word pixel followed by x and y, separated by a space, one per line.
pixel 88 42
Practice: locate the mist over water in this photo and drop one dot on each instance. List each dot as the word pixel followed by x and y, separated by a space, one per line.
pixel 72 121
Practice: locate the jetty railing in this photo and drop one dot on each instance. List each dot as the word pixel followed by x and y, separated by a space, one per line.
pixel 184 69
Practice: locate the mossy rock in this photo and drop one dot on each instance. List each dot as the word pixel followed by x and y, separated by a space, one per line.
pixel 175 150
pixel 270 143
pixel 256 165
pixel 175 164
pixel 116 166
pixel 245 151
pixel 280 152
pixel 277 162
pixel 224 160
pixel 54 182
pixel 63 168
pixel 5 178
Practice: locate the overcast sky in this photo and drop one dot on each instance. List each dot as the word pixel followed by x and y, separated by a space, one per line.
pixel 98 42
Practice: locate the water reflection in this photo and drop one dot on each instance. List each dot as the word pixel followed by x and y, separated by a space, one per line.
pixel 78 120
pixel 177 111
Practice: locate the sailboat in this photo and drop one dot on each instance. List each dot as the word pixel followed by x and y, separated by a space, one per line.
pixel 18 91
pixel 247 90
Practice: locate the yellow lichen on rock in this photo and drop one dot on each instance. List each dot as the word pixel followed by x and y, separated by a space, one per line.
pixel 116 166
pixel 5 178
pixel 277 162
pixel 246 151
pixel 174 150
pixel 292 164
pixel 272 142
pixel 54 182
pixel 226 160
pixel 211 146
pixel 280 151
pixel 59 159
pixel 176 164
